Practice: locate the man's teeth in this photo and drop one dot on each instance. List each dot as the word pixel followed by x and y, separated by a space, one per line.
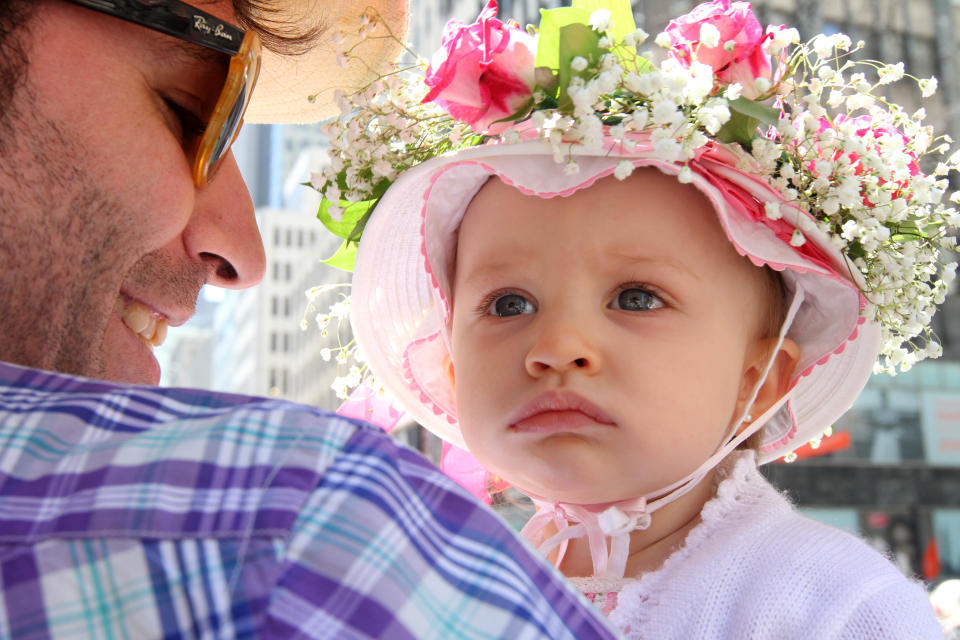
pixel 143 322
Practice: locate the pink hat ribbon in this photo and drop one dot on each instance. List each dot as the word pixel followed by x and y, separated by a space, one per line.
pixel 616 522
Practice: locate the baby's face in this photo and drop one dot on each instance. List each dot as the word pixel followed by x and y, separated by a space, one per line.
pixel 600 341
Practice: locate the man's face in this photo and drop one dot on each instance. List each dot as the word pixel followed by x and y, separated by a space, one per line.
pixel 102 226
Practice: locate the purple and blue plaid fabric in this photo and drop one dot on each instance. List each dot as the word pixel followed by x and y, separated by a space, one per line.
pixel 135 512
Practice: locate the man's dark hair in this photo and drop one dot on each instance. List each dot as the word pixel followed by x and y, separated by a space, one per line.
pixel 260 15
pixel 264 17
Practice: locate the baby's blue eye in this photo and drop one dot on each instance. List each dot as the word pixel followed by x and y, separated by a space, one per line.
pixel 511 304
pixel 636 299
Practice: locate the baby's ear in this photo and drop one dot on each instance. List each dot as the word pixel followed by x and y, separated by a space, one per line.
pixel 777 383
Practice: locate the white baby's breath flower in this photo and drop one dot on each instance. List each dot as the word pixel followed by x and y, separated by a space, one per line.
pixel 665 112
pixel 317 180
pixel 781 38
pixel 772 210
pixel 762 85
pixel 383 169
pixel 571 168
pixel 709 35
pixel 797 238
pixel 639 117
pixel 663 40
pixel 928 87
pixel 686 175
pixel 579 63
pixel 624 170
pixel 841 41
pixel 822 46
pixel 605 42
pixel 600 20
pixel 890 73
pixel 733 90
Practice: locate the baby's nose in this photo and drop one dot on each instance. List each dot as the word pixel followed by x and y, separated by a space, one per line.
pixel 562 349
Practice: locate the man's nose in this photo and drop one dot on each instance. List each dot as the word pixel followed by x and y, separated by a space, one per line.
pixel 223 232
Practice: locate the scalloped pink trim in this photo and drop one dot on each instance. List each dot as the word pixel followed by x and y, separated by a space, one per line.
pixel 786 439
pixel 412 380
pixel 790 435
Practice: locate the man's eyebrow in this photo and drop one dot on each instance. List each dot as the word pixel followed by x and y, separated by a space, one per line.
pixel 184 52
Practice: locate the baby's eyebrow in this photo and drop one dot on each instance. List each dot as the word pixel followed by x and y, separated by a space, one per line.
pixel 655 260
pixel 490 270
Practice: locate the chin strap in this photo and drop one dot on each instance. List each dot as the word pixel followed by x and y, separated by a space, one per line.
pixel 618 520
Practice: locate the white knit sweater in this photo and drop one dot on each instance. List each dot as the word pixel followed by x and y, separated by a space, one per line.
pixel 755 568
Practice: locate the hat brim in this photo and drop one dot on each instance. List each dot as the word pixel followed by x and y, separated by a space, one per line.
pixel 299 89
pixel 403 271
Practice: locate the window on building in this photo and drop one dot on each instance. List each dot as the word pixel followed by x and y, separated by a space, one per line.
pixel 273 343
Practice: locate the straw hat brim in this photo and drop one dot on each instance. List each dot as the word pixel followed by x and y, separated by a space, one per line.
pixel 288 83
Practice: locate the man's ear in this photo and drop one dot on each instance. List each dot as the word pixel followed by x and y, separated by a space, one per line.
pixel 447 365
pixel 777 383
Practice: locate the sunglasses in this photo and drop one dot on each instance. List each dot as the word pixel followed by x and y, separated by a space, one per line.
pixel 185 22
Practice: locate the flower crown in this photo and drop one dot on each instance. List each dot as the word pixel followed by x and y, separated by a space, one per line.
pixel 805 117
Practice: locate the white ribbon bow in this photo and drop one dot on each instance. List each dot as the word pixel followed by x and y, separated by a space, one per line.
pixel 616 522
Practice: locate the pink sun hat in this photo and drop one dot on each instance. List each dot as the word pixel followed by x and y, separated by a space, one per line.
pixel 403 275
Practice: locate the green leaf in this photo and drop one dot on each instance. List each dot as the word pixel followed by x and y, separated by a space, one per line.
pixel 353 214
pixel 739 128
pixel 761 112
pixel 546 79
pixel 345 257
pixel 907 231
pixel 621 15
pixel 551 22
pixel 643 65
pixel 745 117
pixel 576 40
pixel 519 114
pixel 621 20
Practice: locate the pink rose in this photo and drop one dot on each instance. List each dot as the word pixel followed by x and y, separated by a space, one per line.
pixel 745 63
pixel 484 72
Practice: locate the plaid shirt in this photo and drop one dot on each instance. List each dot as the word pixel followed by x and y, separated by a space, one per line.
pixel 134 512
